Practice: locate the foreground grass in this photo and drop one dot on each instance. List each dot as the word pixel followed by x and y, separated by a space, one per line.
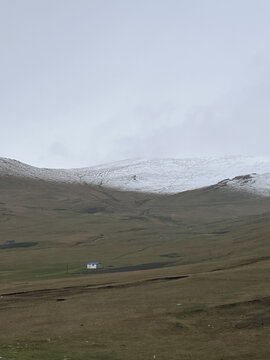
pixel 41 352
pixel 208 316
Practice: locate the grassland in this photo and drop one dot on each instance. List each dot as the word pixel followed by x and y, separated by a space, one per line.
pixel 205 294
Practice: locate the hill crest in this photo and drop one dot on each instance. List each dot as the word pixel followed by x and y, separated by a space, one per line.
pixel 168 176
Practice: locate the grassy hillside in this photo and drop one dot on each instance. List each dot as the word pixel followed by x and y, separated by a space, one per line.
pixel 72 224
pixel 52 308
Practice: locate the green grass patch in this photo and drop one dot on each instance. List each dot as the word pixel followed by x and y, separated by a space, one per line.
pixel 33 351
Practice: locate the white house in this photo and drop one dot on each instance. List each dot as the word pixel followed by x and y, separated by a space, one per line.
pixel 93 265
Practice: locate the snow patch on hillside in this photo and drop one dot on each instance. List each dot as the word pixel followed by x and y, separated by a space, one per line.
pixel 255 183
pixel 156 175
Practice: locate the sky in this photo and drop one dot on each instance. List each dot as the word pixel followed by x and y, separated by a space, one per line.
pixel 85 82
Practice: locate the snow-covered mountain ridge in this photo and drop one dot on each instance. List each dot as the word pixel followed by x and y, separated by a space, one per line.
pixel 158 175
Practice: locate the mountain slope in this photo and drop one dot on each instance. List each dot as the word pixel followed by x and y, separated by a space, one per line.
pixel 75 223
pixel 203 279
pixel 156 176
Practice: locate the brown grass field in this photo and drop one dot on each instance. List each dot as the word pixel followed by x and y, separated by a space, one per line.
pixel 184 276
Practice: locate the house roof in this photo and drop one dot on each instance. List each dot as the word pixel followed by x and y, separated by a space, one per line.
pixel 93 263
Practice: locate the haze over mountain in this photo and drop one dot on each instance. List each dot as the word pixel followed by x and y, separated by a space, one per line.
pixel 159 175
pixel 87 82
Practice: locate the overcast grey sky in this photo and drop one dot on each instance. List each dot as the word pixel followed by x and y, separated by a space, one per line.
pixel 84 82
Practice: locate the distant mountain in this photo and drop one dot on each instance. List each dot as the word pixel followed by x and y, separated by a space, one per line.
pixel 159 175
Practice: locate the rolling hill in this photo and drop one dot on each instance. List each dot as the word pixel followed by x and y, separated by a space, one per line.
pixel 185 275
